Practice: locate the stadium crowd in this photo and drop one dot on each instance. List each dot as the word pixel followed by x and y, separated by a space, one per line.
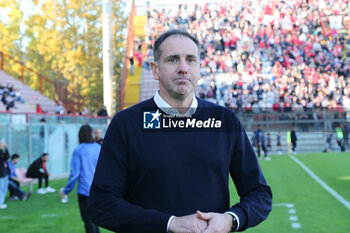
pixel 265 55
pixel 9 95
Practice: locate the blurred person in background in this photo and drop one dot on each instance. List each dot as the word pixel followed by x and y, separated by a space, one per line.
pixel 4 172
pixel 38 169
pixel 103 111
pixel 278 143
pixel 83 165
pixel 16 193
pixel 98 136
pixel 345 128
pixel 293 139
pixel 340 137
pixel 268 142
pixel 260 143
pixel 59 108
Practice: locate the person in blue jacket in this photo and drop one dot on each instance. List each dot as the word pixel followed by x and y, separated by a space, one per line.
pixel 16 192
pixel 165 163
pixel 83 165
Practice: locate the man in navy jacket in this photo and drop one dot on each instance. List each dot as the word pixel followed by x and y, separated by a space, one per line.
pixel 165 162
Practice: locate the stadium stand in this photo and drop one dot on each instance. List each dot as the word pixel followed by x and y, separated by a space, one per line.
pixel 149 85
pixel 276 63
pixel 30 96
pixel 272 55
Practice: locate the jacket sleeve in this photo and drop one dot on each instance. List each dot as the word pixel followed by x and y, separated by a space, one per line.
pixel 74 172
pixel 255 195
pixel 108 204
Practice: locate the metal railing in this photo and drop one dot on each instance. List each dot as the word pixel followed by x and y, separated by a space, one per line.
pixel 6 117
pixel 30 140
pixel 71 100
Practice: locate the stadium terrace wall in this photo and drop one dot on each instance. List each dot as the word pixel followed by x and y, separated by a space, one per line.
pixel 30 140
pixel 60 137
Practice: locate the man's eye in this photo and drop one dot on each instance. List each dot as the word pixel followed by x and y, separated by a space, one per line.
pixel 173 59
pixel 191 59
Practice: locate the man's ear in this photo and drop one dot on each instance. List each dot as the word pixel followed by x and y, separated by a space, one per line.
pixel 155 70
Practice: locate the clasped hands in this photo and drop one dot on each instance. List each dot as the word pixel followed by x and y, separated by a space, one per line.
pixel 201 223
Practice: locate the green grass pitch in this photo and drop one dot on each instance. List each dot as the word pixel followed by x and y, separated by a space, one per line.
pixel 301 205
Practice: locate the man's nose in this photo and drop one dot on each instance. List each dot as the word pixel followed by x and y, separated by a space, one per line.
pixel 182 66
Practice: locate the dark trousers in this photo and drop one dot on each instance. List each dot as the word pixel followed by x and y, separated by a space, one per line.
pixel 14 189
pixel 90 227
pixel 294 145
pixel 42 176
pixel 259 147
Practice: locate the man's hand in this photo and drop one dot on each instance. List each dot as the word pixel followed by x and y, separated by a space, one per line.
pixel 217 223
pixel 17 179
pixel 187 224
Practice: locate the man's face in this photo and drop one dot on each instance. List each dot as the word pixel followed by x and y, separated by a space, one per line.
pixel 15 161
pixel 46 158
pixel 98 133
pixel 178 69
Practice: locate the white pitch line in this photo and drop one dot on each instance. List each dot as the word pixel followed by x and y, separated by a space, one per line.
pixel 288 205
pixel 296 225
pixel 292 211
pixel 293 218
pixel 7 217
pixel 323 184
pixel 43 216
pixel 49 215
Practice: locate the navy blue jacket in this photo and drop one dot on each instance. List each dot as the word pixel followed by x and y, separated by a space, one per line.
pixel 144 176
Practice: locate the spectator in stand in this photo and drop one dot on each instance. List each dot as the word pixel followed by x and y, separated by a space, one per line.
pixel 14 182
pixel 38 169
pixel 15 95
pixel 39 109
pixel 103 111
pixel 5 99
pixel 83 165
pixel 4 172
pixel 132 68
pixel 98 136
pixel 275 43
pixel 59 108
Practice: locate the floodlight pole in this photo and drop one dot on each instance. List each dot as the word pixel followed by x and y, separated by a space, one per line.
pixel 107 56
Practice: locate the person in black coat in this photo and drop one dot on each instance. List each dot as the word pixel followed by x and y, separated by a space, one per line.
pixel 38 169
pixel 294 139
pixel 4 171
pixel 103 111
